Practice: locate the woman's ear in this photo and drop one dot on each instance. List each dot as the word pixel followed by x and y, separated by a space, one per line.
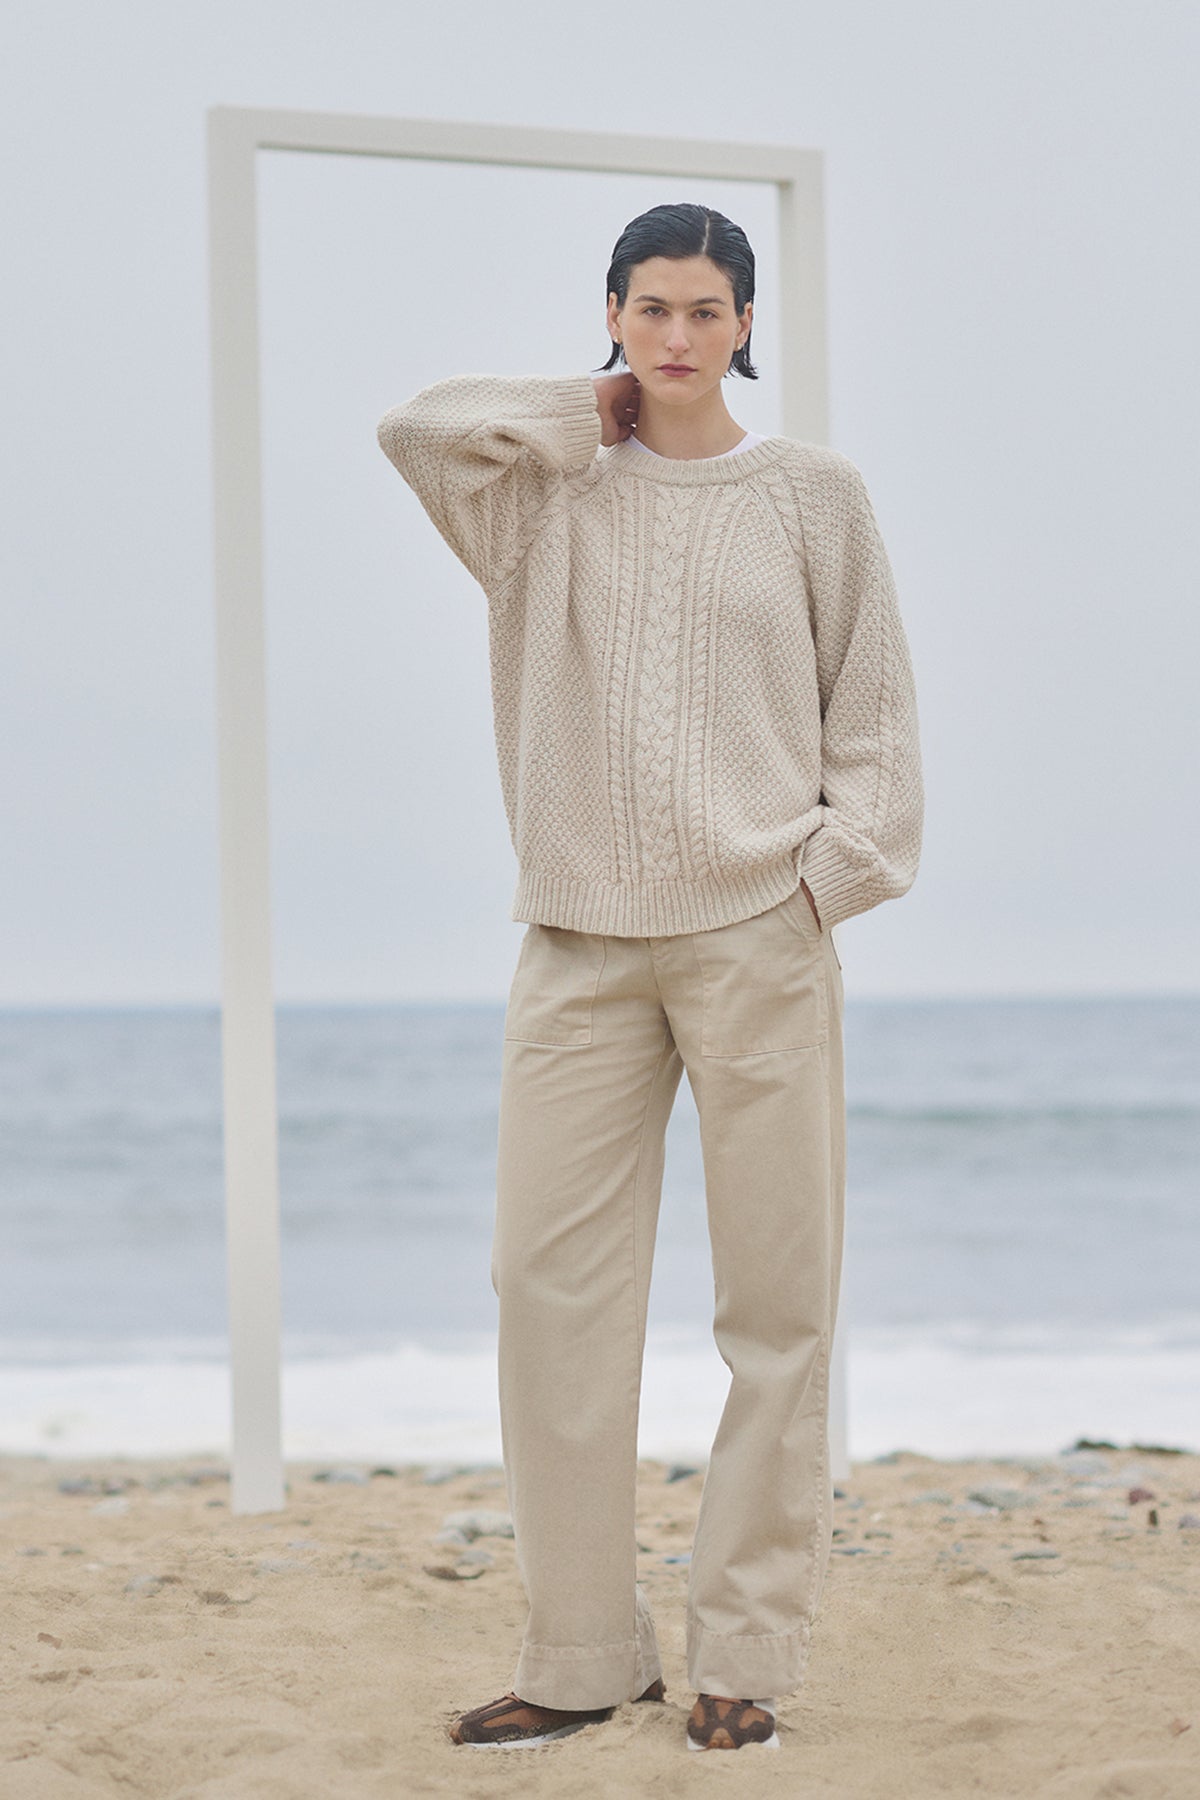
pixel 614 326
pixel 745 321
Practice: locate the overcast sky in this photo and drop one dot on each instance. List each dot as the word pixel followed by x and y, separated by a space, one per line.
pixel 1013 295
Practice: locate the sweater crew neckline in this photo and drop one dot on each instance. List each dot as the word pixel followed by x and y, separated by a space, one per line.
pixel 692 471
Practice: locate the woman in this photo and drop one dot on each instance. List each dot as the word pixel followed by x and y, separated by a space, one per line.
pixel 707 736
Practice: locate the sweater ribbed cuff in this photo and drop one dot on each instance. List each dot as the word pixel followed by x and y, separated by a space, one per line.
pixel 580 418
pixel 836 884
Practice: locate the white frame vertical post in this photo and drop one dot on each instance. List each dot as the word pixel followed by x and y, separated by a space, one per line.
pixel 235 133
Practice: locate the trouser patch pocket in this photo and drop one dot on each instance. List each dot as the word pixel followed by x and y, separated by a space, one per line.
pixel 554 986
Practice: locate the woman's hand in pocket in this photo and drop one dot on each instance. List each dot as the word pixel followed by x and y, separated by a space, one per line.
pixel 808 895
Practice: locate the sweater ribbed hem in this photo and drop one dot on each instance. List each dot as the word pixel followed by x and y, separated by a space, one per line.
pixel 655 909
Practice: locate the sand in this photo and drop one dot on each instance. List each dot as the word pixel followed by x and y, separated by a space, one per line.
pixel 154 1644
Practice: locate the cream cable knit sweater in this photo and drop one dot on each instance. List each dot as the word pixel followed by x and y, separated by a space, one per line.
pixel 701 685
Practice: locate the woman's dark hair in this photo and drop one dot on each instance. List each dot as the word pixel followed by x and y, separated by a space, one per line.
pixel 680 230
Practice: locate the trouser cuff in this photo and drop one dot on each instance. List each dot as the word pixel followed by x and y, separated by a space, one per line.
pixel 586 1675
pixel 741 1666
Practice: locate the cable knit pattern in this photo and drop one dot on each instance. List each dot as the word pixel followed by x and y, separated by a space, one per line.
pixel 658 693
pixel 701 684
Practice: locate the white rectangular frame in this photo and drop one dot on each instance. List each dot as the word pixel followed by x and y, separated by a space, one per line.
pixel 235 133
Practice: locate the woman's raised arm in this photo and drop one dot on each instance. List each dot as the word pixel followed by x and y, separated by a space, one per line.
pixel 481 451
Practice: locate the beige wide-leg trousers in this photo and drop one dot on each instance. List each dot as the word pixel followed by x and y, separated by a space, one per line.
pixel 597 1033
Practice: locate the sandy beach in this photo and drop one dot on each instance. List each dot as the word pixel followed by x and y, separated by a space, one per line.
pixel 1007 1628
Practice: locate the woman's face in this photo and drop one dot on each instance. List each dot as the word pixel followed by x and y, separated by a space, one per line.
pixel 678 326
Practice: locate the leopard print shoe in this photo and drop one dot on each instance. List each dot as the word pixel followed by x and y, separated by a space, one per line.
pixel 719 1723
pixel 510 1723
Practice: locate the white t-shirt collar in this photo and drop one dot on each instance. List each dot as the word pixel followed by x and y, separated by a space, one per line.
pixel 751 438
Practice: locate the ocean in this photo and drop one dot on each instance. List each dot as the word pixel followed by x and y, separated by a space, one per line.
pixel 1022 1237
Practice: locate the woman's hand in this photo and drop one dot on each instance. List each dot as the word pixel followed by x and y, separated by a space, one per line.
pixel 617 397
pixel 808 895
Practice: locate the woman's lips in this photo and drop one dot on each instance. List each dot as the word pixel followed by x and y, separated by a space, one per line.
pixel 675 369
